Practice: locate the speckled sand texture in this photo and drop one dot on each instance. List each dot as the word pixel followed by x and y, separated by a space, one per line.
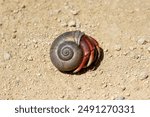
pixel 28 28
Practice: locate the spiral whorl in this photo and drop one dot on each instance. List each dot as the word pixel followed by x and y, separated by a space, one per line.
pixel 65 51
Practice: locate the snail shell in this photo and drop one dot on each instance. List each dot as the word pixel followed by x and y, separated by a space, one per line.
pixel 65 52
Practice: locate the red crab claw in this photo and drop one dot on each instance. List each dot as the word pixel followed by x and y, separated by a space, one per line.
pixel 91 47
pixel 98 49
pixel 88 46
pixel 86 54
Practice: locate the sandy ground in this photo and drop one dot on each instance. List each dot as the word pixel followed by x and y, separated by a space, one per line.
pixel 28 28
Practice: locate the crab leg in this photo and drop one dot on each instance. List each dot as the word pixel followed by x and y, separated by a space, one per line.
pixel 97 47
pixel 86 54
pixel 91 47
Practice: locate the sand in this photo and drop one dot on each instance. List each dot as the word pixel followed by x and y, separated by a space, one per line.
pixel 28 28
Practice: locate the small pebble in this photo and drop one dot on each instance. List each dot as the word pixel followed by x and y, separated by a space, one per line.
pixel 132 48
pixel 30 58
pixel 79 87
pixel 58 20
pixel 110 55
pixel 148 49
pixel 72 23
pixel 35 41
pixel 7 56
pixel 142 41
pixel 143 75
pixel 35 46
pixel 105 50
pixel 128 94
pixel 117 47
pixel 25 46
pixel 101 72
pixel 104 85
pixel 19 44
pixel 16 11
pixel 74 12
pixel 62 96
pixel 64 24
pixel 123 88
pixel 39 74
pixel 1 24
pixel 94 74
pixel 78 24
pixel 14 36
pixel 137 56
pixel 119 98
pixel 23 6
pixel 15 30
pixel 125 53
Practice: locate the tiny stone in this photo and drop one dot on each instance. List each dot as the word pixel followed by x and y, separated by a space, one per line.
pixel 19 44
pixel 117 47
pixel 101 72
pixel 110 55
pixel 39 74
pixel 71 23
pixel 14 36
pixel 14 31
pixel 94 74
pixel 24 46
pixel 64 24
pixel 35 41
pixel 148 49
pixel 35 46
pixel 132 48
pixel 105 50
pixel 16 11
pixel 123 88
pixel 57 11
pixel 142 41
pixel 128 94
pixel 58 20
pixel 104 85
pixel 137 56
pixel 79 88
pixel 143 75
pixel 62 96
pixel 17 82
pixel 25 69
pixel 125 53
pixel 74 12
pixel 30 58
pixel 68 75
pixel 78 24
pixel 7 56
pixel 23 6
pixel 128 75
pixel 109 75
pixel 1 24
pixel 119 98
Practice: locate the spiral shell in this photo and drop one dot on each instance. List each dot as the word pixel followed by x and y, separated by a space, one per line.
pixel 65 53
pixel 68 51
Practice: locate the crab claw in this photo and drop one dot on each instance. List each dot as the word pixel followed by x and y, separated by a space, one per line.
pixel 86 53
pixel 97 48
pixel 91 49
pixel 91 52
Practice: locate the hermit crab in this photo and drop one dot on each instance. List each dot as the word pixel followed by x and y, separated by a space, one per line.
pixel 74 50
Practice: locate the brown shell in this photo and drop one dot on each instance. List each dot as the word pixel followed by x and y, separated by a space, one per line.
pixel 65 52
